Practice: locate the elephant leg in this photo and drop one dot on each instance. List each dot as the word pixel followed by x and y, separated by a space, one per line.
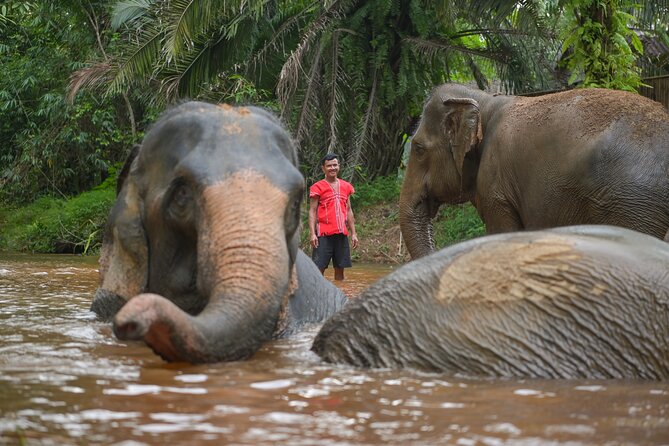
pixel 316 298
pixel 500 216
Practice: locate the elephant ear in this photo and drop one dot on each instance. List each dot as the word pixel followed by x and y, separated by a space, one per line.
pixel 124 254
pixel 126 168
pixel 463 128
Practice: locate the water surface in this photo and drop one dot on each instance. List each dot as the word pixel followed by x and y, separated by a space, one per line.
pixel 65 380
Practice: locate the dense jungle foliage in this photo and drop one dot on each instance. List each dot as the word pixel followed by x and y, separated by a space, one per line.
pixel 82 79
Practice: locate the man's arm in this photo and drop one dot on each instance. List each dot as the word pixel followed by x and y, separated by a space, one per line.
pixel 350 220
pixel 313 219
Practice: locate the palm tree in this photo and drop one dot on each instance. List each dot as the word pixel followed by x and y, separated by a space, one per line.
pixel 362 69
pixel 349 76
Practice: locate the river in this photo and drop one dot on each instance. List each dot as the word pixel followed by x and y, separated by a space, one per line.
pixel 65 380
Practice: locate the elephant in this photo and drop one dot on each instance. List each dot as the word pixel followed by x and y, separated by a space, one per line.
pixel 584 156
pixel 200 255
pixel 585 301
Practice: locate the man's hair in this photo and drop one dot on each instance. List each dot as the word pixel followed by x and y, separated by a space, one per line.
pixel 329 157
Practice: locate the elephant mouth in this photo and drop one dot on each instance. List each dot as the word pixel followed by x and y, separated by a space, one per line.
pixel 431 206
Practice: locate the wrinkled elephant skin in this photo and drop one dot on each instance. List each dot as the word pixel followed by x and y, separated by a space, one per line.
pixel 586 156
pixel 572 302
pixel 200 256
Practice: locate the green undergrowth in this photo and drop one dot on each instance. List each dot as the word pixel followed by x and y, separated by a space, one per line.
pixel 454 224
pixel 55 225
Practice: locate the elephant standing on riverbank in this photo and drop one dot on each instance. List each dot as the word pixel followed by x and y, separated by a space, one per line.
pixel 587 156
pixel 200 258
pixel 571 302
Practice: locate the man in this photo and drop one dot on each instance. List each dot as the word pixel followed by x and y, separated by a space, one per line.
pixel 329 215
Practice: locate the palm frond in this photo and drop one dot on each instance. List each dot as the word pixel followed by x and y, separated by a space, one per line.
pixel 275 41
pixel 93 77
pixel 307 112
pixel 186 76
pixel 289 76
pixel 494 12
pixel 337 78
pixel 189 19
pixel 130 11
pixel 434 46
pixel 362 136
pixel 140 63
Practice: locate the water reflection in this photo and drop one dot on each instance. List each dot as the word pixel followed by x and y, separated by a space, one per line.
pixel 64 379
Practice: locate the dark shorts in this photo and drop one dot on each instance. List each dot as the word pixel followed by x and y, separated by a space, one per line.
pixel 333 247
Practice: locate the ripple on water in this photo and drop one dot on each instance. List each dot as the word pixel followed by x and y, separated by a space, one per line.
pixel 291 428
pixel 574 429
pixel 535 393
pixel 275 384
pixel 47 402
pixel 227 409
pixel 191 378
pixel 143 389
pixel 164 428
pixel 594 388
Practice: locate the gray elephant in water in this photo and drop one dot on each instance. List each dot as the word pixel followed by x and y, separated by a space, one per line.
pixel 200 258
pixel 571 302
pixel 587 156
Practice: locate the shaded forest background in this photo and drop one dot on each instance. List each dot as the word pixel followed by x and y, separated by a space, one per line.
pixel 82 79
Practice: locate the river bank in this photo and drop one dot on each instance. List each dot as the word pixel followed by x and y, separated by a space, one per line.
pixel 381 240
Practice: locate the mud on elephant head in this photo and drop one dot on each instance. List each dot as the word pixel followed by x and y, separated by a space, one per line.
pixel 572 302
pixel 586 156
pixel 200 257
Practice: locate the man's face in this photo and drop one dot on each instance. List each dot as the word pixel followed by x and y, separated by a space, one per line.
pixel 331 168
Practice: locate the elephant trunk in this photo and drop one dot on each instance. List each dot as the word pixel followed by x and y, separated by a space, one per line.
pixel 244 270
pixel 416 222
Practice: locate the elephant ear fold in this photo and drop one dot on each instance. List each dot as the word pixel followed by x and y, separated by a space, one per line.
pixel 126 168
pixel 124 254
pixel 463 127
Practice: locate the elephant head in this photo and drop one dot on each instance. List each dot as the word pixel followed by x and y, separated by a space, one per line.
pixel 442 165
pixel 200 248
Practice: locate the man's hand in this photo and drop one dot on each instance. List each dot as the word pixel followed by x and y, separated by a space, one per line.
pixel 354 241
pixel 314 241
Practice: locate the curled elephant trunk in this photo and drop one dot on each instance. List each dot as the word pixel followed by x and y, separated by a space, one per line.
pixel 242 269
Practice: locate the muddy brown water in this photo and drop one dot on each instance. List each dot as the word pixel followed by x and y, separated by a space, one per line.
pixel 65 379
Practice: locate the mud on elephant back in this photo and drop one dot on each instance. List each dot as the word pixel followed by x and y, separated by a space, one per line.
pixel 571 302
pixel 586 156
pixel 200 257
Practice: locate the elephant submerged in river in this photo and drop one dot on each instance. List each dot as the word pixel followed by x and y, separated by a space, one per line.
pixel 200 257
pixel 586 156
pixel 570 302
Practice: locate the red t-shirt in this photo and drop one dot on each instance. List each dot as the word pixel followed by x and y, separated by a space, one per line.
pixel 332 210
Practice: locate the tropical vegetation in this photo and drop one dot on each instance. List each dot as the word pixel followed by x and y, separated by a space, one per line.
pixel 82 79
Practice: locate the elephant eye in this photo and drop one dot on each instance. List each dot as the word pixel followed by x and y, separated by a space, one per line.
pixel 181 201
pixel 418 149
pixel 292 216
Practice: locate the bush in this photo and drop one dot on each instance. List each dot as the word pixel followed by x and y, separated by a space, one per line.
pixel 457 223
pixel 380 190
pixel 52 225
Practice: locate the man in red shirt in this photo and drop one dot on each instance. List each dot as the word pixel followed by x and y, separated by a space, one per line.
pixel 330 213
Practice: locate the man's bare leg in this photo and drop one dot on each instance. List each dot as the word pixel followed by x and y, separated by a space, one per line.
pixel 339 273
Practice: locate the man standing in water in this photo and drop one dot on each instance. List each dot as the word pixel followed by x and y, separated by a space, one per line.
pixel 330 213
